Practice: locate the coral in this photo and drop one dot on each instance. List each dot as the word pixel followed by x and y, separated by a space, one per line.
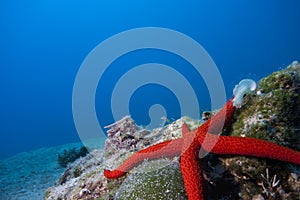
pixel 121 135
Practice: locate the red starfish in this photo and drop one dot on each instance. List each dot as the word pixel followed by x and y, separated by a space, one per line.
pixel 189 146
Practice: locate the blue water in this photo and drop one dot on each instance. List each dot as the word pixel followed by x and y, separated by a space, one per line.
pixel 43 43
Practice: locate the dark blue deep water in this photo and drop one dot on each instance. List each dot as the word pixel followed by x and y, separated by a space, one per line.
pixel 44 42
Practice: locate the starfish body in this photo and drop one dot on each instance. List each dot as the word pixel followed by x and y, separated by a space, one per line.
pixel 206 137
pixel 231 145
pixel 169 148
pixel 190 165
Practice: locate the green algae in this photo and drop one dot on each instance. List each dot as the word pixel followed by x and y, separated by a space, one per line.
pixel 272 114
pixel 158 179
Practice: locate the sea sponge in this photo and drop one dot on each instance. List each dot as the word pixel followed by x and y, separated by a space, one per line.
pixel 245 86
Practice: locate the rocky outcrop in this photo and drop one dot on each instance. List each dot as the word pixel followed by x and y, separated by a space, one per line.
pixel 272 114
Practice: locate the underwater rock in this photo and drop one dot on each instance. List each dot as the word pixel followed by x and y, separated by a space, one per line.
pixel 121 135
pixel 170 131
pixel 84 178
pixel 158 179
pixel 272 114
pixel 80 177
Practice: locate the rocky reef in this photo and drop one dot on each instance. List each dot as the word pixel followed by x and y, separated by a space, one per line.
pixel 272 113
pixel 84 178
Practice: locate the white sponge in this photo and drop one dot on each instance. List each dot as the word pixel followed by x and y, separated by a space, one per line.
pixel 245 86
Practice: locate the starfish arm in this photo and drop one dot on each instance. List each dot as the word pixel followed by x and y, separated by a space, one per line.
pixel 190 165
pixel 192 176
pixel 168 148
pixel 250 147
pixel 220 120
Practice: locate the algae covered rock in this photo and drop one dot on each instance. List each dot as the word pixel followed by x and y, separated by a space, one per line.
pixel 84 178
pixel 158 179
pixel 272 114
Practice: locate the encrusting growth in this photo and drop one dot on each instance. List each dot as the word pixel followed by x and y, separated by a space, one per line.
pixel 207 138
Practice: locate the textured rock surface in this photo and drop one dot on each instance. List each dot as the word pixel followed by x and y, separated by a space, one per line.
pixel 84 178
pixel 273 114
pixel 158 179
pixel 80 178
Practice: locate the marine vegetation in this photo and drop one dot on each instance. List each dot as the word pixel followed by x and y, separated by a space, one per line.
pixel 273 114
pixel 206 139
pixel 243 164
pixel 68 156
